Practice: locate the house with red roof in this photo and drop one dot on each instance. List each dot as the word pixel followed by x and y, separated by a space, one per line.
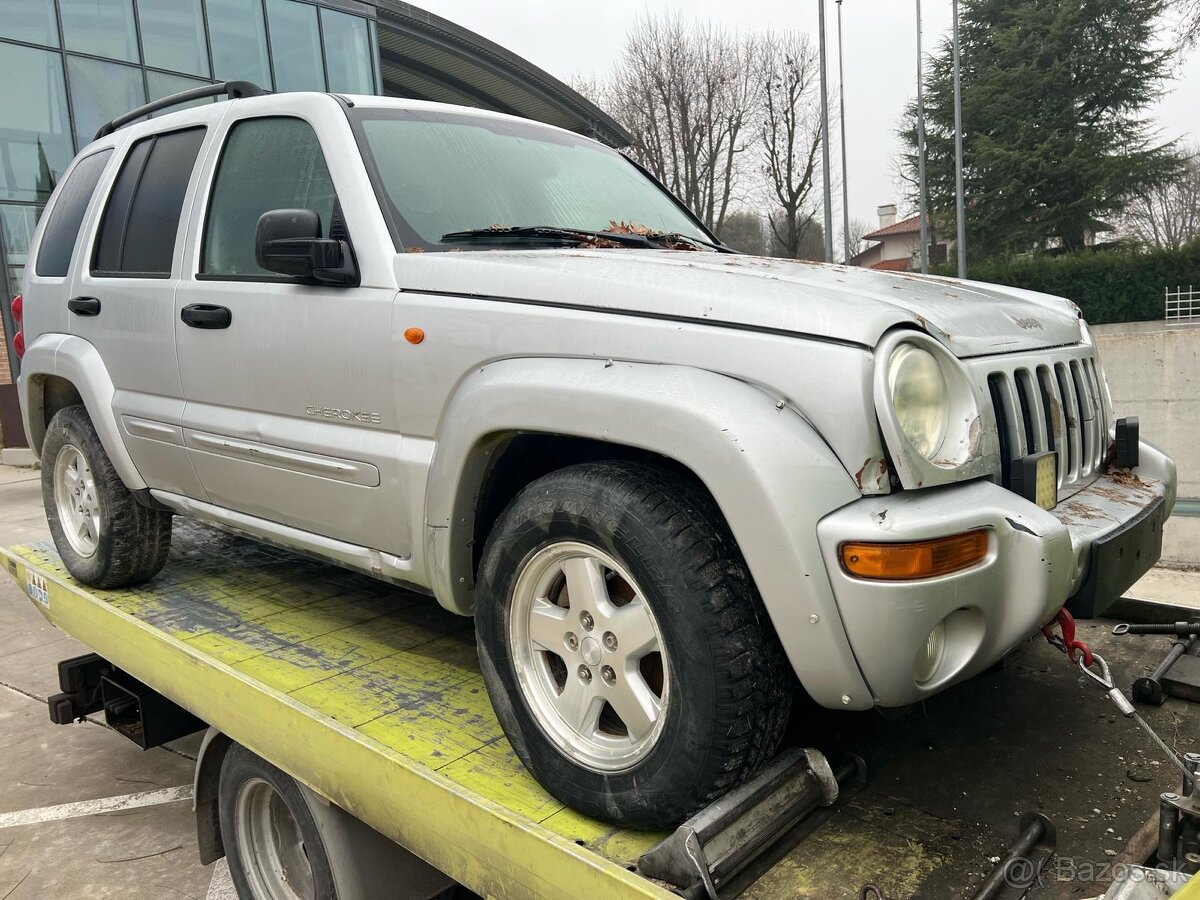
pixel 899 244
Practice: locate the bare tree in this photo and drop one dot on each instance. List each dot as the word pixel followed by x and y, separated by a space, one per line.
pixel 687 96
pixel 857 229
pixel 745 230
pixel 789 134
pixel 1168 217
pixel 1188 12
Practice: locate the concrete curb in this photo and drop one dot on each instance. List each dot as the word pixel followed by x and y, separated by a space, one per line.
pixel 18 456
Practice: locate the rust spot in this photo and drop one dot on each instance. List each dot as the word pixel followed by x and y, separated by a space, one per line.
pixel 868 479
pixel 859 474
pixel 1056 416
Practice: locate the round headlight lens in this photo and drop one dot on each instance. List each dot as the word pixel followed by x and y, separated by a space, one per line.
pixel 919 398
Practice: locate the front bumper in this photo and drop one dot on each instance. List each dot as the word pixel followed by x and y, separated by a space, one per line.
pixel 1037 560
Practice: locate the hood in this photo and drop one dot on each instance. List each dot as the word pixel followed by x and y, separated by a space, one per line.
pixel 843 303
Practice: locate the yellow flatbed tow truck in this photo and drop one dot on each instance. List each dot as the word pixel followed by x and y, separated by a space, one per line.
pixel 371 699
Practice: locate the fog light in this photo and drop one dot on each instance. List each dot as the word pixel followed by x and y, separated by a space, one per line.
pixel 931 654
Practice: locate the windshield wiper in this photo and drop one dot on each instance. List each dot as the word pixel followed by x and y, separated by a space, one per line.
pixel 547 233
pixel 674 237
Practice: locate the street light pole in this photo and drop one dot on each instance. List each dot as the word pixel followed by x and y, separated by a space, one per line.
pixel 842 115
pixel 921 149
pixel 825 141
pixel 960 202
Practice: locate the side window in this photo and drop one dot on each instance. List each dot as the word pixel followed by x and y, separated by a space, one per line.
pixel 137 234
pixel 62 228
pixel 268 163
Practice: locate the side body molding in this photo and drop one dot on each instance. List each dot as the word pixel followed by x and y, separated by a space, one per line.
pixel 78 362
pixel 770 472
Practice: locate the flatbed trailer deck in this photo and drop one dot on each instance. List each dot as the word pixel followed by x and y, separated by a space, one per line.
pixel 371 696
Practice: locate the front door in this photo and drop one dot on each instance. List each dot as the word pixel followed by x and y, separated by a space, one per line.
pixel 289 399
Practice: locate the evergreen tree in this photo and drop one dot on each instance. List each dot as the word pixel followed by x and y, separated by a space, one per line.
pixel 1055 143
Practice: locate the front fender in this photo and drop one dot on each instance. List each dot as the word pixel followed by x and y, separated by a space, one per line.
pixel 77 361
pixel 771 474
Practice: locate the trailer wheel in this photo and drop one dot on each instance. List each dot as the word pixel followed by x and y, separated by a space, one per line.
pixel 106 538
pixel 274 848
pixel 626 651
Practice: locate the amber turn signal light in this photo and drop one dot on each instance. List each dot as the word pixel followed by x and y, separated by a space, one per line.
pixel 414 335
pixel 917 559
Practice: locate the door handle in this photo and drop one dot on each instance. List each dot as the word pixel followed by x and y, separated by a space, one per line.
pixel 84 306
pixel 205 315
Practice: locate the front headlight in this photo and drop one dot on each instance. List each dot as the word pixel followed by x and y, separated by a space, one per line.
pixel 934 412
pixel 919 397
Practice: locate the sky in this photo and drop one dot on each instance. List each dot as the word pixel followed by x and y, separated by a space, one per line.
pixel 586 39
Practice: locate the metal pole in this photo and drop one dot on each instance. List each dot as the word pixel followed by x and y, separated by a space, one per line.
pixel 923 208
pixel 960 203
pixel 825 141
pixel 842 114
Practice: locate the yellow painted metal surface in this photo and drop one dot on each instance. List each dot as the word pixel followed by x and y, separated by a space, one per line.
pixel 369 694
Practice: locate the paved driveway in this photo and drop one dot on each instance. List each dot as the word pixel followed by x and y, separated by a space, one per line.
pixel 83 812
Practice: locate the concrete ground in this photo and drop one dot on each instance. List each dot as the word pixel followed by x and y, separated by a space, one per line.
pixel 1022 739
pixel 129 832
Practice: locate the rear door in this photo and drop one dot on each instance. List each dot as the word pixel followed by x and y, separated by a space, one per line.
pixel 122 298
pixel 290 408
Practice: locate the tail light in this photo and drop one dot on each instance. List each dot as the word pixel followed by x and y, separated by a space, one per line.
pixel 18 314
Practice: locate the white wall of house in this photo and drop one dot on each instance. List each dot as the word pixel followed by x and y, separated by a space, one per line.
pixel 900 246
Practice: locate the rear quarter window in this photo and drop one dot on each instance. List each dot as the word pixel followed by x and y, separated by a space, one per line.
pixel 141 219
pixel 66 216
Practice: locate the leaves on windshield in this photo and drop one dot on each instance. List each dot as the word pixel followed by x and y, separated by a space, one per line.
pixel 663 240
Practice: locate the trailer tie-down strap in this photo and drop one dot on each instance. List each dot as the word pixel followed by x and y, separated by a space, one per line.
pixel 1088 662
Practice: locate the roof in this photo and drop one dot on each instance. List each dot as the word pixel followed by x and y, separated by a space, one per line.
pixel 426 57
pixel 860 258
pixel 893 265
pixel 908 226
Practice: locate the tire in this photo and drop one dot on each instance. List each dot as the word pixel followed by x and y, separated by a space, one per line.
pixel 115 540
pixel 271 840
pixel 722 685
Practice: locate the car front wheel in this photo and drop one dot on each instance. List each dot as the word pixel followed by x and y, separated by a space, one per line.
pixel 626 651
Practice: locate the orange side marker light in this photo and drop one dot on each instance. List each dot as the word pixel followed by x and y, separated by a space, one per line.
pixel 916 559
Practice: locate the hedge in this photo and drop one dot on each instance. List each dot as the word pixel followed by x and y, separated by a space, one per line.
pixel 1109 285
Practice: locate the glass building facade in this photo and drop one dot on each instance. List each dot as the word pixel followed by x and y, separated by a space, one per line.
pixel 71 65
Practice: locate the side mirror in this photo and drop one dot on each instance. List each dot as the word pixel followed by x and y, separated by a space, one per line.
pixel 289 242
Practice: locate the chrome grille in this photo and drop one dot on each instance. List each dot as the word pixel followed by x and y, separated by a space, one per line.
pixel 1051 403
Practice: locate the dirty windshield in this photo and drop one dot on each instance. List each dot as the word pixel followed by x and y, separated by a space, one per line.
pixel 439 174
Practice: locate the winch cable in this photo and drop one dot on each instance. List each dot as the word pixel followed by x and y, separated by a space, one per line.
pixel 1068 644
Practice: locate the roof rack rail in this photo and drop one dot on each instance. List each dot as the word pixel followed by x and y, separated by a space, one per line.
pixel 234 90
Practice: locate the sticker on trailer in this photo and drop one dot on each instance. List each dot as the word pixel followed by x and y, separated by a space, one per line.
pixel 35 587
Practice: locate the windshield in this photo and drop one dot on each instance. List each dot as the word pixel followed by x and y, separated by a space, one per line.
pixel 437 173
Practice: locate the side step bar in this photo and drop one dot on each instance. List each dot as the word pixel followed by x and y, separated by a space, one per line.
pixel 90 684
pixel 711 848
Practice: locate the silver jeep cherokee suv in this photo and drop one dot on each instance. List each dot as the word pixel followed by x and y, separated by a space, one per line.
pixel 496 362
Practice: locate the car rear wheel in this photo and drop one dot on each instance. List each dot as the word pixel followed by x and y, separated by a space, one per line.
pixel 628 656
pixel 106 538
